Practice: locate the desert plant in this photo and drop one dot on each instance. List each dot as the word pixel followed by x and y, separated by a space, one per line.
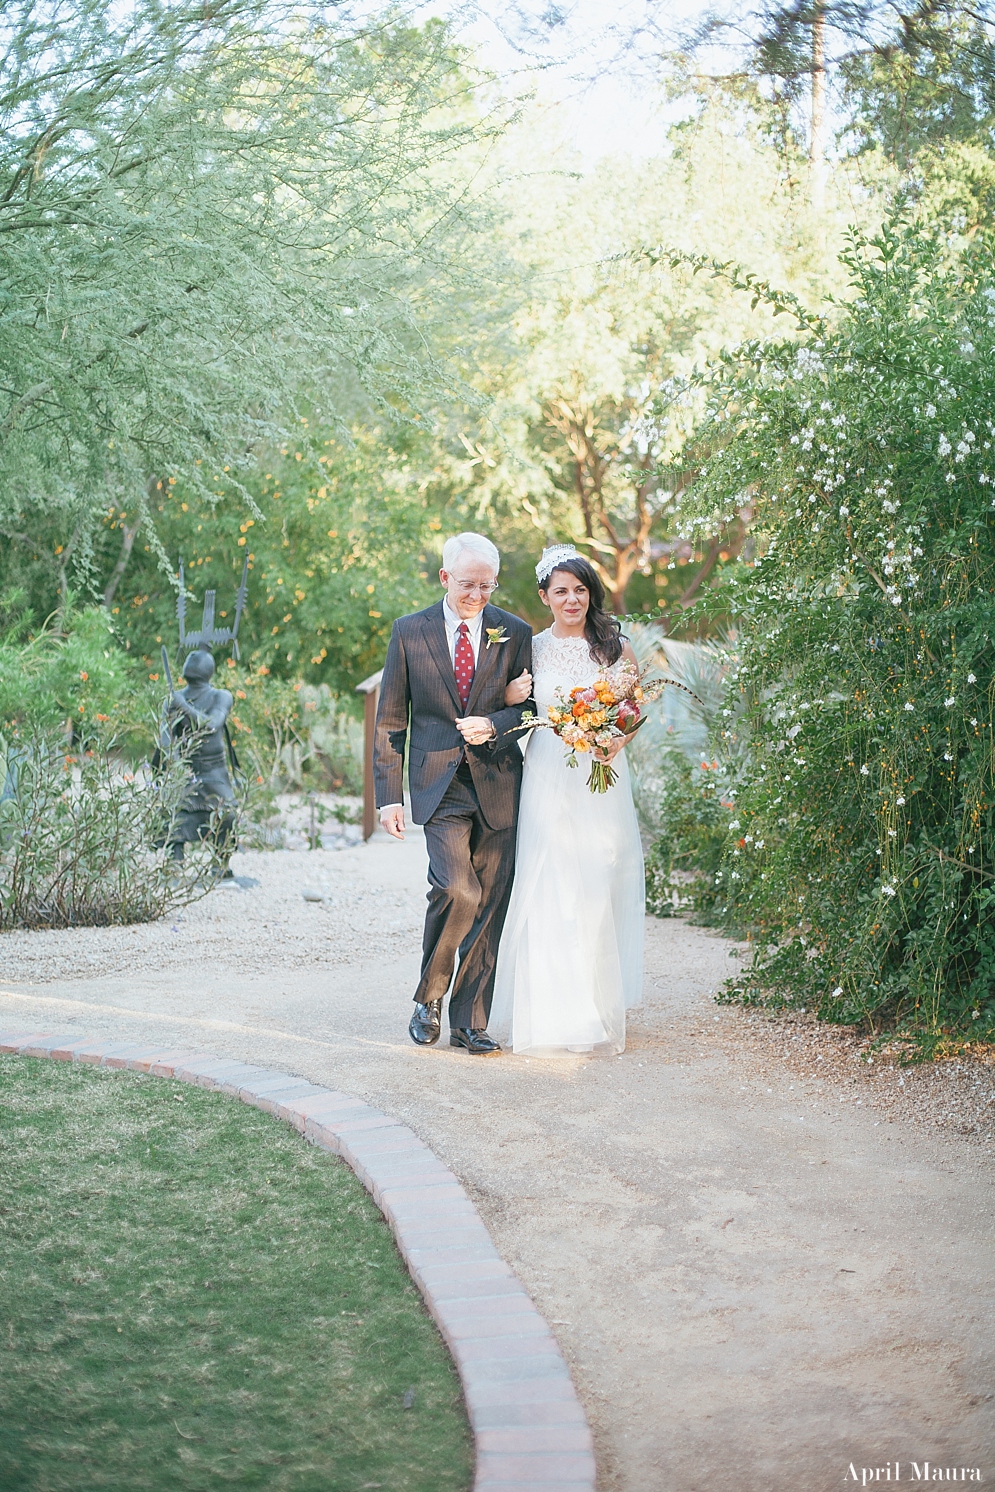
pixel 294 736
pixel 861 854
pixel 82 836
pixel 684 773
pixel 79 677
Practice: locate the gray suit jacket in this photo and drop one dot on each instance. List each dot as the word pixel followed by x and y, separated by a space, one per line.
pixel 418 691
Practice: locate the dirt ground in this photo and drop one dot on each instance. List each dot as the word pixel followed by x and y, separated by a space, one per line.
pixel 764 1258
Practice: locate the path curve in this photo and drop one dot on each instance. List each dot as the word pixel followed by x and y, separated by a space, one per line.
pixel 529 1429
pixel 756 1278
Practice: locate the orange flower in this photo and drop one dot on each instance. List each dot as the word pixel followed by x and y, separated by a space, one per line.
pixel 582 745
pixel 578 711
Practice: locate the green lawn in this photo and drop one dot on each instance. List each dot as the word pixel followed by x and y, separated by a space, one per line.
pixel 192 1297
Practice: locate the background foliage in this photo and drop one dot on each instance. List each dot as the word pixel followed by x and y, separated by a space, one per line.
pixel 210 217
pixel 860 856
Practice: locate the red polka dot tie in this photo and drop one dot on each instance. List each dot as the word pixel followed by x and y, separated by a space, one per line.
pixel 463 664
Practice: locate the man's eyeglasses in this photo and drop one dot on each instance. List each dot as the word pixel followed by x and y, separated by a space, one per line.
pixel 467 588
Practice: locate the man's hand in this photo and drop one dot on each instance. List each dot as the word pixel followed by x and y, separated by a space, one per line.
pixel 476 729
pixel 392 819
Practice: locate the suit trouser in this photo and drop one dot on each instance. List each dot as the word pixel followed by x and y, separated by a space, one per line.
pixel 470 871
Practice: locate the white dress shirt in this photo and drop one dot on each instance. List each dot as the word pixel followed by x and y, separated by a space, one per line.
pixel 453 622
pixel 474 626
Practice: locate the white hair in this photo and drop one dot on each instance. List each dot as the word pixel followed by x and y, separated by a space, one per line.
pixel 476 543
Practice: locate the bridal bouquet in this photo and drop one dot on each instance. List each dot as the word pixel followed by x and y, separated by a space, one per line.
pixel 591 716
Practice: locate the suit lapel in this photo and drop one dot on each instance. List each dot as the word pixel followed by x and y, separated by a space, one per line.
pixel 434 632
pixel 487 658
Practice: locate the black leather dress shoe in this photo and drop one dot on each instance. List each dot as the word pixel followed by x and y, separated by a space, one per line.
pixel 477 1043
pixel 426 1023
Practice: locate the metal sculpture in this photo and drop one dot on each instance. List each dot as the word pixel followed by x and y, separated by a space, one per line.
pixel 209 635
pixel 194 722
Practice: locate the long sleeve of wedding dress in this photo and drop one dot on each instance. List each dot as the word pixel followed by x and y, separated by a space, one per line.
pixel 571 957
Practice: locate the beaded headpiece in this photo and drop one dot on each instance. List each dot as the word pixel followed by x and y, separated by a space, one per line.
pixel 553 556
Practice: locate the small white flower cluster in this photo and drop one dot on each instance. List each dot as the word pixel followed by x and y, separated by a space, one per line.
pixel 807 362
pixel 891 561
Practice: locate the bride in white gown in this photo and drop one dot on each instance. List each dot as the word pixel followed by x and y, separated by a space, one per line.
pixel 571 956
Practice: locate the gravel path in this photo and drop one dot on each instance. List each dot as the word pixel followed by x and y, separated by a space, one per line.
pixel 764 1259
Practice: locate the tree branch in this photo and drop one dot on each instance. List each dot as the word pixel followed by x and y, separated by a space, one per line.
pixel 128 532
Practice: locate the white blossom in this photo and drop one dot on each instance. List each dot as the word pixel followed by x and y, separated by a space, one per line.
pixel 909 705
pixel 807 361
pixel 944 447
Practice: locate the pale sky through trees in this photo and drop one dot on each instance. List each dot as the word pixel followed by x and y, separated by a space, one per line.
pixel 596 64
pixel 592 62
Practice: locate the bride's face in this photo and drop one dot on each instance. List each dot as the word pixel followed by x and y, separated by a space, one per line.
pixel 567 598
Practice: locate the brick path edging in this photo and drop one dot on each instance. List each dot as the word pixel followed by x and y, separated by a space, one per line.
pixel 530 1430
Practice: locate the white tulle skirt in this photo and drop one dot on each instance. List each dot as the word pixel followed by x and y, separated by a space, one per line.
pixel 571 957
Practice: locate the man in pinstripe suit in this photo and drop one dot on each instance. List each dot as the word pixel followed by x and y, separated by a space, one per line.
pixel 443 687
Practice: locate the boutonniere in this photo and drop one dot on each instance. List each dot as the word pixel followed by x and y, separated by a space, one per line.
pixel 496 635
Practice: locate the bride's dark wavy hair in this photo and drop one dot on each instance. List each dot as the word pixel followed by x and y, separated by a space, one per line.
pixel 602 630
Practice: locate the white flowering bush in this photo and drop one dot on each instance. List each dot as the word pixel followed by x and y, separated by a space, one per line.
pixel 861 861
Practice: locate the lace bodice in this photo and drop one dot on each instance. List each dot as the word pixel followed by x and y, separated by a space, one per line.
pixel 563 662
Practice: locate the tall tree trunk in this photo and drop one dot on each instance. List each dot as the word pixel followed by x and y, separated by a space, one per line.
pixel 817 141
pixel 129 528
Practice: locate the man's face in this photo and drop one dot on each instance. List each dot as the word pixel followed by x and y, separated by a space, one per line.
pixel 469 584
